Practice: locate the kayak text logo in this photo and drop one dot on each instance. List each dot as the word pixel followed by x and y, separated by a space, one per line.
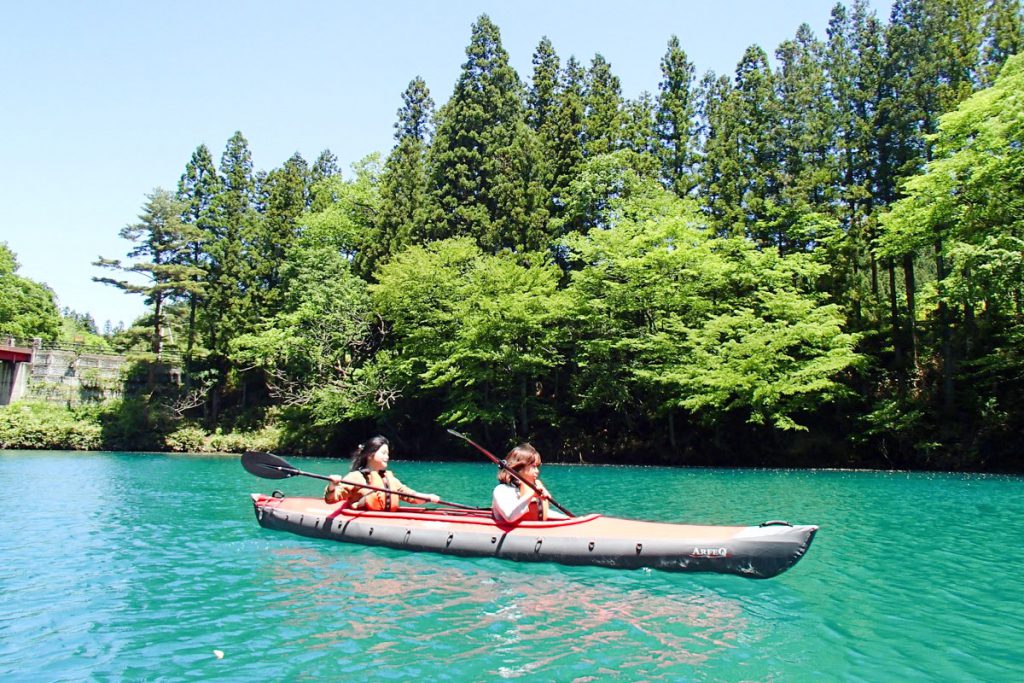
pixel 709 552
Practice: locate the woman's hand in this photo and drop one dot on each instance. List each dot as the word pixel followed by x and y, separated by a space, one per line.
pixel 433 498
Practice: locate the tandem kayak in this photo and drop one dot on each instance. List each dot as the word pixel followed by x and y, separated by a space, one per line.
pixel 753 551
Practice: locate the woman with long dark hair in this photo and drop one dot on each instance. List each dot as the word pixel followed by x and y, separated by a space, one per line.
pixel 370 466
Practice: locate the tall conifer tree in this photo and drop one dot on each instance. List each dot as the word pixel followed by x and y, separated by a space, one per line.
pixel 286 197
pixel 405 202
pixel 566 147
pixel 676 112
pixel 233 217
pixel 484 164
pixel 197 188
pixel 602 123
pixel 1003 34
pixel 807 128
pixel 161 252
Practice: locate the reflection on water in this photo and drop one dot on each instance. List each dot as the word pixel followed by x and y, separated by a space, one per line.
pixel 409 607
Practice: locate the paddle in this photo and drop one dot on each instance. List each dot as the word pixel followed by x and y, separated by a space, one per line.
pixel 502 465
pixel 270 466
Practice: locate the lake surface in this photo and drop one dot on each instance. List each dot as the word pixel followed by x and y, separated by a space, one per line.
pixel 119 566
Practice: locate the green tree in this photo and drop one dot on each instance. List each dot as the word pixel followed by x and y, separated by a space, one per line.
pixel 197 187
pixel 1003 34
pixel 285 191
pixel 742 152
pixel 564 144
pixel 676 120
pixel 639 134
pixel 484 165
pixel 853 61
pixel 160 256
pixel 807 175
pixel 541 98
pixel 346 217
pixel 602 101
pixel 314 350
pixel 670 318
pixel 405 211
pixel 478 331
pixel 27 308
pixel 324 168
pixel 969 201
pixel 230 278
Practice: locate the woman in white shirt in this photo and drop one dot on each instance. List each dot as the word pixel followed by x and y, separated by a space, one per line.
pixel 515 501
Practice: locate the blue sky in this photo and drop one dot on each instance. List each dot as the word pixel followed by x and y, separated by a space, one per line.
pixel 105 100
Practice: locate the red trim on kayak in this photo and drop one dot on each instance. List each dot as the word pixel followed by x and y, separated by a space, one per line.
pixel 481 518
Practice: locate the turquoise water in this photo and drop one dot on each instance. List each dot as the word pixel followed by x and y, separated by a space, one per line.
pixel 139 567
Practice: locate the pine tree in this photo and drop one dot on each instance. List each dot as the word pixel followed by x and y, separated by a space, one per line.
pixel 1004 35
pixel 541 98
pixel 676 112
pixel 807 123
pixel 162 242
pixel 484 161
pixel 741 175
pixel 565 149
pixel 286 196
pixel 542 110
pixel 324 168
pixel 639 134
pixel 230 283
pixel 602 123
pixel 853 68
pixel 405 202
pixel 721 177
pixel 198 186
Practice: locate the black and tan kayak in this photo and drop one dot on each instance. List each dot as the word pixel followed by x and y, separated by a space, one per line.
pixel 753 551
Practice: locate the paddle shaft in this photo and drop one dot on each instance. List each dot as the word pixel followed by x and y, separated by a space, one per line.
pixel 501 463
pixel 296 472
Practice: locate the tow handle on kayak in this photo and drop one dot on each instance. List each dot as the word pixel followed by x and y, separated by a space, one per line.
pixel 775 522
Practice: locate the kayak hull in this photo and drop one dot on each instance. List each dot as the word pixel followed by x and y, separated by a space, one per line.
pixel 755 552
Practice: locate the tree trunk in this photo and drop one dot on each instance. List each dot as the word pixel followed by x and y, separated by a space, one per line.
pixel 894 315
pixel 908 280
pixel 945 334
pixel 523 419
pixel 672 429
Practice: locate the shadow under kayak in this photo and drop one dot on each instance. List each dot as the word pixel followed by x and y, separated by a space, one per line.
pixel 753 551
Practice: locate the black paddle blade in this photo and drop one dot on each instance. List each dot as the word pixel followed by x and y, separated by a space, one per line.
pixel 267 465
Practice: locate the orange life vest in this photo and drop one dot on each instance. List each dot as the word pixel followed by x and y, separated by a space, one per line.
pixel 535 512
pixel 375 500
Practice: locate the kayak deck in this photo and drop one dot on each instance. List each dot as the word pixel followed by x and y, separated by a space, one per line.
pixel 757 551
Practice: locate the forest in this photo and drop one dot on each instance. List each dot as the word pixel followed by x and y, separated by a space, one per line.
pixel 814 261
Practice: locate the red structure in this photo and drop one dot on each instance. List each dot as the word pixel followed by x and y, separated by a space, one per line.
pixel 14 354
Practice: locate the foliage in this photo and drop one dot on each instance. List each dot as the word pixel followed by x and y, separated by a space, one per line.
pixel 484 161
pixel 27 308
pixel 37 425
pixel 671 316
pixel 312 351
pixel 551 260
pixel 161 248
pixel 480 330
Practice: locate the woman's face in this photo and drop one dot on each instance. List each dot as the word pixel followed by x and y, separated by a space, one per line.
pixel 379 460
pixel 529 473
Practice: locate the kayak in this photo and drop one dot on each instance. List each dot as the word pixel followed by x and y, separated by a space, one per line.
pixel 753 551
